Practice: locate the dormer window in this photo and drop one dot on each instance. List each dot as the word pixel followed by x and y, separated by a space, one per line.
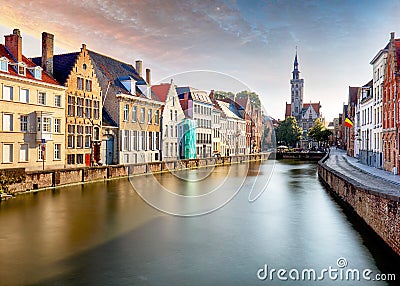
pixel 4 64
pixel 21 68
pixel 37 72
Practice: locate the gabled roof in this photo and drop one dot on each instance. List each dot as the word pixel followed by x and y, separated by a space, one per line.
pixel 315 106
pixel 397 46
pixel 110 72
pixel 161 91
pixel 226 108
pixel 242 101
pixel 30 64
pixel 62 65
pixel 194 94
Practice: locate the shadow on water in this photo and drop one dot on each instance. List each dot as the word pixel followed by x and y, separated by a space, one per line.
pixel 380 251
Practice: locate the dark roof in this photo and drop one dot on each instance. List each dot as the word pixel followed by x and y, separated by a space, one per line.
pixel 109 70
pixel 353 92
pixel 62 65
pixel 4 52
pixel 107 120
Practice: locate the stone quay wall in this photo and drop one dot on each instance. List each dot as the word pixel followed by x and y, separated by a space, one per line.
pixel 35 180
pixel 380 211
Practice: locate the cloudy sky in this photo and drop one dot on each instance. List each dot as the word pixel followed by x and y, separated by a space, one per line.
pixel 250 42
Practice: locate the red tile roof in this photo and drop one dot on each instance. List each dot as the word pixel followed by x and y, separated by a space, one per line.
pixel 397 46
pixel 242 101
pixel 11 71
pixel 161 91
pixel 315 106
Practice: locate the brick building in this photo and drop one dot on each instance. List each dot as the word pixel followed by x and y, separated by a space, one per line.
pixel 390 103
pixel 83 101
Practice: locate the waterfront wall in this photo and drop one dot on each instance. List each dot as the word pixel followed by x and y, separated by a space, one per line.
pixel 52 178
pixel 380 211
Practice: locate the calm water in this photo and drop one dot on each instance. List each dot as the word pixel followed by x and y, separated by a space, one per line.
pixel 105 234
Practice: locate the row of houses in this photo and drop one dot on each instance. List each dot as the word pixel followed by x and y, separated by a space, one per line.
pixel 84 108
pixel 372 110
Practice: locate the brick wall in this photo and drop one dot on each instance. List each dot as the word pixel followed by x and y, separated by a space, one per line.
pixel 380 211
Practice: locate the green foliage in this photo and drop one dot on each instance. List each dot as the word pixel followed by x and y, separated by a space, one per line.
pixel 6 181
pixel 219 94
pixel 288 132
pixel 254 97
pixel 318 132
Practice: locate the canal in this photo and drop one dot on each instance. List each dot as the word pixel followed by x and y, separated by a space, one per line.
pixel 106 234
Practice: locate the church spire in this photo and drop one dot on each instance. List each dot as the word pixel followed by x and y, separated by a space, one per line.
pixel 296 67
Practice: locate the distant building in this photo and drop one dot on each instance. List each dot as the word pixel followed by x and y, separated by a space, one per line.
pixel 390 103
pixel 171 115
pixel 32 106
pixel 379 66
pixel 197 105
pixel 305 113
pixel 350 133
pixel 363 138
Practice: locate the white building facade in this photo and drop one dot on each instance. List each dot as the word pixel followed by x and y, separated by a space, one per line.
pixel 378 66
pixel 366 105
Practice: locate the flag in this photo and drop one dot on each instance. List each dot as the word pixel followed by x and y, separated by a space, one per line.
pixel 348 123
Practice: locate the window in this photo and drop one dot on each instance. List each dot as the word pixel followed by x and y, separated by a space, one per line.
pixel 57 125
pixel 4 64
pixel 96 113
pixel 87 141
pixel 57 151
pixel 46 124
pixel 71 106
pixel 96 133
pixel 71 138
pixel 88 85
pixel 24 95
pixel 7 153
pixel 79 111
pixel 144 147
pixel 79 141
pixel 126 112
pixel 157 117
pixel 149 116
pixel 79 129
pixel 176 115
pixel 23 153
pixel 7 122
pixel 71 159
pixel 88 109
pixel 88 130
pixel 21 69
pixel 134 113
pixel 79 83
pixel 135 140
pixel 166 130
pixel 170 114
pixel 57 100
pixel 40 152
pixel 79 158
pixel 126 140
pixel 8 92
pixel 37 72
pixel 142 116
pixel 42 98
pixel 24 123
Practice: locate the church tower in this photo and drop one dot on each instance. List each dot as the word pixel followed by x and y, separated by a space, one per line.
pixel 297 85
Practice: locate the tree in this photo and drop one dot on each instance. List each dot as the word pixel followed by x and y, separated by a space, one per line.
pixel 254 97
pixel 219 94
pixel 318 132
pixel 288 132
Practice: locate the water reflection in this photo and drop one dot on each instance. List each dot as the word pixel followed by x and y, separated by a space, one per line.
pixel 104 234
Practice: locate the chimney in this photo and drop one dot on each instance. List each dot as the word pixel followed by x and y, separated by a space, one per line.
pixel 392 35
pixel 148 76
pixel 47 52
pixel 139 66
pixel 212 95
pixel 14 44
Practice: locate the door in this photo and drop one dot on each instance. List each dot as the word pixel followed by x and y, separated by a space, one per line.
pixel 87 160
pixel 107 150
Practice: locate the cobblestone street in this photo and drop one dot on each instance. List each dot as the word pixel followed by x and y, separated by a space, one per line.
pixel 369 177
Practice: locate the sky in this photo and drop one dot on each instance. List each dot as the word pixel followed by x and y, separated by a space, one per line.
pixel 245 44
